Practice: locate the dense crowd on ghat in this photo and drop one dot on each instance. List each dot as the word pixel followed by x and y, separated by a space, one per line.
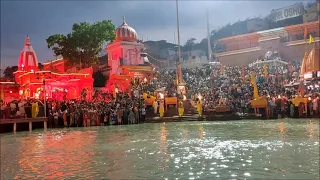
pixel 78 113
pixel 215 84
pixel 231 86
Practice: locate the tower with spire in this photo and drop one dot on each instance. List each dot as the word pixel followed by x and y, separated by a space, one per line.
pixel 28 60
pixel 34 83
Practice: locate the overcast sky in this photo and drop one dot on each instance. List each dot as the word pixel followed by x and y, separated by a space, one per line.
pixel 153 20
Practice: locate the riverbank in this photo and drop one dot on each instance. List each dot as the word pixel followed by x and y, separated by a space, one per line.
pixel 24 125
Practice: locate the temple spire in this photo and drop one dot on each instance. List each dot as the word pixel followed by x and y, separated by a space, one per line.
pixel 27 41
pixel 124 20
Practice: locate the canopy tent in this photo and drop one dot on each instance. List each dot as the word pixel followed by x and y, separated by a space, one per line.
pixel 270 61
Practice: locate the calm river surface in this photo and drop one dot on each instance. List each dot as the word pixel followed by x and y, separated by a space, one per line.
pixel 273 149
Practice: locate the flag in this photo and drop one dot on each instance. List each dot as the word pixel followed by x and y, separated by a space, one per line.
pixel 255 88
pixel 253 81
pixel 310 39
pixel 305 33
pixel 2 94
pixel 265 70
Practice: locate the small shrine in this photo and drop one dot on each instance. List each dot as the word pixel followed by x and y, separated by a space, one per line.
pixel 35 83
pixel 125 58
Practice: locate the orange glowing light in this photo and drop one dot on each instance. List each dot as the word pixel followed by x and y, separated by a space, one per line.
pixel 161 95
pixel 184 97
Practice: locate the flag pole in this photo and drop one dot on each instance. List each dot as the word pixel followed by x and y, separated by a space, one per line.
pixel 305 39
pixel 179 51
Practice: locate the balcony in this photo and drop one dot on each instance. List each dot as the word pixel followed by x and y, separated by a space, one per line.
pixel 239 51
pixel 301 41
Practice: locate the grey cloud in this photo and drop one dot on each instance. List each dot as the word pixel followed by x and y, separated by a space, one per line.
pixel 154 19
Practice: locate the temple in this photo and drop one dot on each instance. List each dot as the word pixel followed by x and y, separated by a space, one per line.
pixel 125 59
pixel 52 81
pixel 55 80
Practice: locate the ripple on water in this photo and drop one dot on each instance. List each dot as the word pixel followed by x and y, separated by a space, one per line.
pixel 227 150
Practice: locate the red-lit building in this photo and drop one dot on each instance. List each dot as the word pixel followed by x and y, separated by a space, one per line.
pixel 125 60
pixel 9 90
pixel 53 80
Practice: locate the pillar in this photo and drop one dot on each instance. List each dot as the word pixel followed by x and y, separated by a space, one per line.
pixel 30 126
pixel 14 127
pixel 45 125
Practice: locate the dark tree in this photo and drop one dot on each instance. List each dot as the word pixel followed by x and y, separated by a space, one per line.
pixel 40 66
pixel 84 43
pixel 8 72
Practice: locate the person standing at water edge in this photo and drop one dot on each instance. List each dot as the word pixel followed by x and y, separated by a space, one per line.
pixel 3 107
pixel 155 106
pixel 181 108
pixel 199 107
pixel 315 105
pixel 131 117
pixel 161 109
pixel 143 113
pixel 35 109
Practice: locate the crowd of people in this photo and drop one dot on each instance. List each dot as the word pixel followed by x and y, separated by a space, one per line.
pixel 232 85
pixel 213 84
pixel 77 113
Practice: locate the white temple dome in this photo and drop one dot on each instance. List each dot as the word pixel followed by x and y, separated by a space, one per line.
pixel 126 33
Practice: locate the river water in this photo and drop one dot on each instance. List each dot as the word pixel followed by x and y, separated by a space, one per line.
pixel 249 149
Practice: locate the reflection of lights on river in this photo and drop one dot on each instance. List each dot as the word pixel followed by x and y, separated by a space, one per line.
pixel 283 130
pixel 185 134
pixel 61 156
pixel 281 127
pixel 311 129
pixel 201 132
pixel 164 156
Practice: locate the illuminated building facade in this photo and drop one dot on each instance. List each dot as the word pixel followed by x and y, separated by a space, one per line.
pixel 53 80
pixel 125 60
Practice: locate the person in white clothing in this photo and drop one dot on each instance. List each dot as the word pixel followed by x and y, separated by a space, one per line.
pixel 22 111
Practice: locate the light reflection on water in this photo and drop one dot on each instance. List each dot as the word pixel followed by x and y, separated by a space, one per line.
pixel 277 149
